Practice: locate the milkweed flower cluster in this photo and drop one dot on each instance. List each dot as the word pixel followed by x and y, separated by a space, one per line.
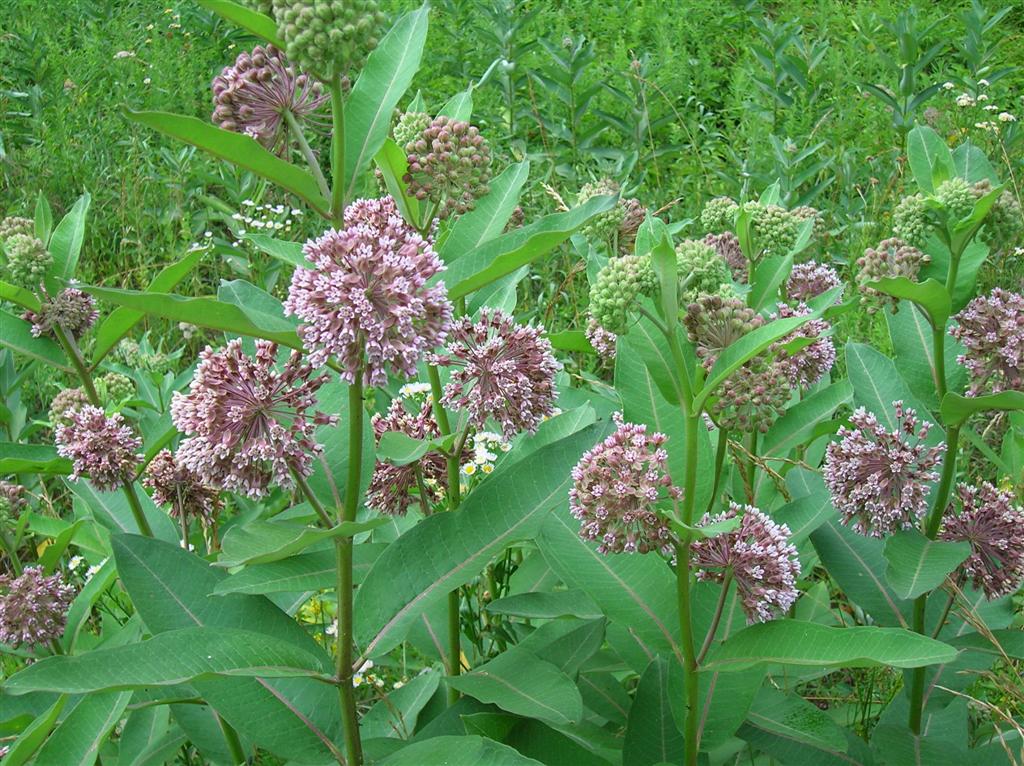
pixel 619 284
pixel 247 425
pixel 719 214
pixel 878 478
pixel 102 446
pixel 253 95
pixel 33 607
pixel 602 226
pixel 449 164
pixel 175 485
pixel 701 271
pixel 727 245
pixel 71 309
pixel 775 228
pixel 391 488
pixel 27 259
pixel 12 502
pixel 993 524
pixel 15 224
pixel 324 36
pixel 991 328
pixel 501 370
pixel 633 215
pixel 616 486
pixel 808 365
pixel 67 400
pixel 910 221
pixel 601 339
pixel 760 557
pixel 811 279
pixel 891 258
pixel 366 298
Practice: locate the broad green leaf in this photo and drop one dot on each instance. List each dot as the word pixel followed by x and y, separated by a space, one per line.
pixel 858 566
pixel 956 409
pixel 284 251
pixel 393 164
pixel 971 261
pixel 459 106
pixel 972 165
pixel 121 320
pixel 791 642
pixel 918 565
pixel 651 733
pixel 32 458
pixel 753 343
pixel 78 738
pixel 172 589
pixel 769 275
pixel 931 295
pixel 798 425
pixel 877 384
pixel 582 744
pixel 261 542
pixel 81 608
pixel 458 751
pixel 571 340
pixel 260 307
pixel 51 556
pixel 547 605
pixel 930 159
pixel 911 336
pixel 19 295
pixel 43 219
pixel 205 312
pixel 145 729
pixel 488 217
pixel 396 714
pixel 248 19
pixel 506 253
pixel 300 573
pixel 111 510
pixel 382 83
pixel 16 334
pixel 238 149
pixel 666 268
pixel 794 731
pixel 415 572
pixel 66 243
pixel 521 683
pixel 401 449
pixel 28 742
pixel 805 514
pixel 173 657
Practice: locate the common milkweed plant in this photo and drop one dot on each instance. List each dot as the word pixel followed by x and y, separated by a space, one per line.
pixel 378 521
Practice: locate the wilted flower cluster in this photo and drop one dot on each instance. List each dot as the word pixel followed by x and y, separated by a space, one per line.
pixel 891 258
pixel 701 271
pixel 727 245
pixel 33 607
pixel 68 400
pixel 910 221
pixel 248 425
pixel 807 365
pixel 719 214
pixel 613 295
pixel 252 95
pixel 449 164
pixel 27 259
pixel 391 489
pixel 602 226
pixel 102 446
pixel 879 478
pixel 993 524
pixel 366 299
pixel 327 36
pixel 71 309
pixel 991 328
pixel 811 279
pixel 502 370
pixel 12 501
pixel 760 557
pixel 633 215
pixel 14 224
pixel 172 484
pixel 616 486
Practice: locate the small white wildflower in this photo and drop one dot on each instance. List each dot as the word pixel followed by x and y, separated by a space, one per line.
pixel 964 99
pixel 983 83
pixel 948 86
pixel 1006 117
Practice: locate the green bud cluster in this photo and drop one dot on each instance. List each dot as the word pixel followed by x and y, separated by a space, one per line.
pixel 115 388
pixel 409 127
pixel 1004 222
pixel 602 227
pixel 14 224
pixel 892 258
pixel 805 213
pixel 775 228
pixel 265 7
pixel 449 164
pixel 719 214
pixel 328 36
pixel 67 401
pixel 27 259
pixel 701 271
pixel 957 197
pixel 910 220
pixel 617 288
pixel 714 322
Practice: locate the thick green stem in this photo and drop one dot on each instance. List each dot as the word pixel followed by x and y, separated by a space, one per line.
pixel 307 153
pixel 343 549
pixel 717 618
pixel 73 353
pixel 337 150
pixel 314 501
pixel 233 742
pixel 720 451
pixel 454 499
pixel 691 423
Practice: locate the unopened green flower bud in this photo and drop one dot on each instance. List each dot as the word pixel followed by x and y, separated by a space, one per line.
pixel 775 228
pixel 957 197
pixel 1004 222
pixel 409 127
pixel 14 224
pixel 603 226
pixel 328 36
pixel 27 260
pixel 115 388
pixel 618 286
pixel 910 221
pixel 718 215
pixel 701 271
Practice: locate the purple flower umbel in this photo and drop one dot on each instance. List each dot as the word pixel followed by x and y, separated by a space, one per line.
pixel 879 478
pixel 73 310
pixel 247 424
pixel 175 485
pixel 33 607
pixel 992 330
pixel 762 560
pixel 994 526
pixel 103 447
pixel 811 279
pixel 366 300
pixel 616 486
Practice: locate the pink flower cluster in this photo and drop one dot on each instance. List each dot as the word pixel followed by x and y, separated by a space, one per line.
pixel 807 365
pixel 366 299
pixel 879 478
pixel 33 607
pixel 173 484
pixel 993 524
pixel 760 557
pixel 102 446
pixel 616 487
pixel 247 424
pixel 502 370
pixel 811 279
pixel 992 330
pixel 72 310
